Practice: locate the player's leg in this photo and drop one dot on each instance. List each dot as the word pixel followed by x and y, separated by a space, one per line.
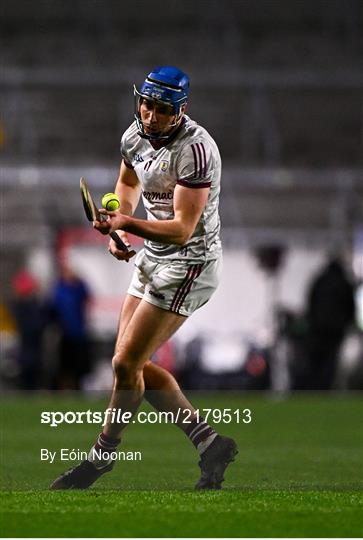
pixel 164 393
pixel 148 327
pixel 185 288
pixel 216 451
pixel 85 474
pixel 162 390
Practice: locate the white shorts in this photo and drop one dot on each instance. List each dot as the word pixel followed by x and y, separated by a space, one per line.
pixel 178 286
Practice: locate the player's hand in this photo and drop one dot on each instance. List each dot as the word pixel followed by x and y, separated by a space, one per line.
pixel 119 254
pixel 114 221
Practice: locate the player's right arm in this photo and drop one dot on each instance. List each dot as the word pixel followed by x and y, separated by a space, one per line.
pixel 128 190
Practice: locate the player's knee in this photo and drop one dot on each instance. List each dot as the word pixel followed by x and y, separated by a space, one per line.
pixel 124 369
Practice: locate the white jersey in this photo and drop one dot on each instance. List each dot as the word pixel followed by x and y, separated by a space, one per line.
pixel 191 159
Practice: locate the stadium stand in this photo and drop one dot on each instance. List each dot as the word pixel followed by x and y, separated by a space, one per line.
pixel 279 84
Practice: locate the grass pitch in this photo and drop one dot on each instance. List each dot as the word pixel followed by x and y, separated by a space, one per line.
pixel 298 473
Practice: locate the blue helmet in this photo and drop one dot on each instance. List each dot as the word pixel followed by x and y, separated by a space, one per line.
pixel 165 84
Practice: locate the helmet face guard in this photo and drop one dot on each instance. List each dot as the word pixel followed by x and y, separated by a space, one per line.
pixel 165 85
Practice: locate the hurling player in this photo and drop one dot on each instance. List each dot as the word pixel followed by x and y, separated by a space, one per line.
pixel 174 165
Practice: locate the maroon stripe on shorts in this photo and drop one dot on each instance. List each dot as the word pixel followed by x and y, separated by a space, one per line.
pixel 182 292
pixel 188 286
pixel 180 289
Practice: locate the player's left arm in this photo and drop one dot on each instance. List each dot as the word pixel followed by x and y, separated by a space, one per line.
pixel 189 203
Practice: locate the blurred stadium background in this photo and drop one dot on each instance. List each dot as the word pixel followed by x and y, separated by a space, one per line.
pixel 279 85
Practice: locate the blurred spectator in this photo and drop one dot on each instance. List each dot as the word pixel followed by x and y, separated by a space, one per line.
pixel 9 341
pixel 330 312
pixel 69 300
pixel 30 316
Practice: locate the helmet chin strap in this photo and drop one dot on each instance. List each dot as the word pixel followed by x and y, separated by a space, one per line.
pixel 157 136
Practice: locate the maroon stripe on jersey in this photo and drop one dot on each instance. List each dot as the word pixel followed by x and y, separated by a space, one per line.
pixel 128 165
pixel 195 162
pixel 204 160
pixel 191 185
pixel 188 285
pixel 200 172
pixel 181 288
